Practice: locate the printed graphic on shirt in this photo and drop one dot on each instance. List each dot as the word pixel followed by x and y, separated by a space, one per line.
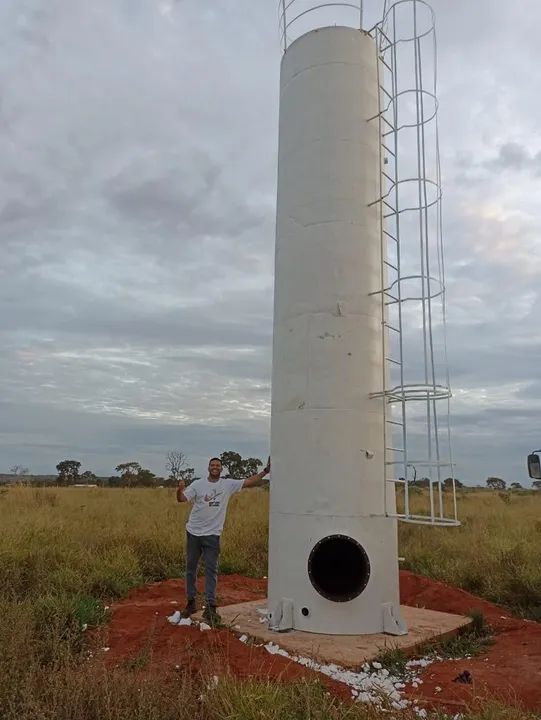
pixel 211 498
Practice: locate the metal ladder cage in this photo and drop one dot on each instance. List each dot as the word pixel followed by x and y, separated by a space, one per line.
pixel 297 17
pixel 415 378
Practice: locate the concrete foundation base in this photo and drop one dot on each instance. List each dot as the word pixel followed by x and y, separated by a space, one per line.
pixel 424 627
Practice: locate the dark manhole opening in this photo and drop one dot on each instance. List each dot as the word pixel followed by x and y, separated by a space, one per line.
pixel 339 568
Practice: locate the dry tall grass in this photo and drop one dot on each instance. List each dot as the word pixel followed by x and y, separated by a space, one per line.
pixel 494 553
pixel 65 552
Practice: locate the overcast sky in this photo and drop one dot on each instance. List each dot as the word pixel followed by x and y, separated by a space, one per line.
pixel 138 143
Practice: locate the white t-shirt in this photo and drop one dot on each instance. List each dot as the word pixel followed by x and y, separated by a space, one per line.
pixel 210 501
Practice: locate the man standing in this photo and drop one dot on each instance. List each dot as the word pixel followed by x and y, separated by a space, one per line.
pixel 210 497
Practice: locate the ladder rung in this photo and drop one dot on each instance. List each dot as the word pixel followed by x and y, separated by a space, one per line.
pixel 389 178
pixel 392 449
pixel 395 422
pixel 384 35
pixel 394 299
pixel 392 360
pixel 386 122
pixel 386 92
pixel 392 237
pixel 387 149
pixel 391 327
pixel 390 264
pixel 384 62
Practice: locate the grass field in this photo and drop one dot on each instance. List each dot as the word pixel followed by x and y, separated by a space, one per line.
pixel 64 553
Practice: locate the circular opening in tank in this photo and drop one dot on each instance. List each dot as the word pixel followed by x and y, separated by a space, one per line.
pixel 305 611
pixel 339 568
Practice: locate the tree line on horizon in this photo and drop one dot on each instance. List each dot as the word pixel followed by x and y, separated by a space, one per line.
pixel 132 474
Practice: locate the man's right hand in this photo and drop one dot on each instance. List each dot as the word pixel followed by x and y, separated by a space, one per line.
pixel 180 491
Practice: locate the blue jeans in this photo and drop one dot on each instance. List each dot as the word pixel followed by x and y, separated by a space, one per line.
pixel 209 547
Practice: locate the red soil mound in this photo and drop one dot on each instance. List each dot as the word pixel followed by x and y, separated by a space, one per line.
pixel 510 670
pixel 139 635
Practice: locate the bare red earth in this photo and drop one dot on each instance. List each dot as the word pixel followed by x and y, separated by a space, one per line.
pixel 139 635
pixel 510 670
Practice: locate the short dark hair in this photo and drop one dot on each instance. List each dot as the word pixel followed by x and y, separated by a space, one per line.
pixel 216 458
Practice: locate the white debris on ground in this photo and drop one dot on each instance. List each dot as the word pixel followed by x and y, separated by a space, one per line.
pixel 372 684
pixel 177 619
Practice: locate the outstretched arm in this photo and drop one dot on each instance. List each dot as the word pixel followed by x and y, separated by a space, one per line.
pixel 256 479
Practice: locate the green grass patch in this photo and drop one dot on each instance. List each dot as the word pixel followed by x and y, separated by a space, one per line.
pixel 473 641
pixel 394 660
pixel 65 553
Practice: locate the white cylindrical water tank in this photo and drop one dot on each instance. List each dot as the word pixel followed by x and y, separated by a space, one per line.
pixel 333 565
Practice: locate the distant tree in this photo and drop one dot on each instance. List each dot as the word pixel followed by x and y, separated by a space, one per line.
pixel 68 472
pixel 516 486
pixel 232 462
pixel 177 467
pixel 536 484
pixel 175 463
pixel 448 483
pixel 18 470
pixel 237 466
pixel 128 473
pixel 133 475
pixel 88 477
pixel 495 483
pixel 145 478
pixel 187 474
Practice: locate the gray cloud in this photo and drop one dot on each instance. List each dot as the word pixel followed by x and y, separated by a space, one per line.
pixel 514 156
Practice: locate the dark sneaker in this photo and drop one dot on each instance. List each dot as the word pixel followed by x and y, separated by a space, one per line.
pixel 210 615
pixel 189 610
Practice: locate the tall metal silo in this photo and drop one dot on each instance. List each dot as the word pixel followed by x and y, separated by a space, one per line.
pixel 340 384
